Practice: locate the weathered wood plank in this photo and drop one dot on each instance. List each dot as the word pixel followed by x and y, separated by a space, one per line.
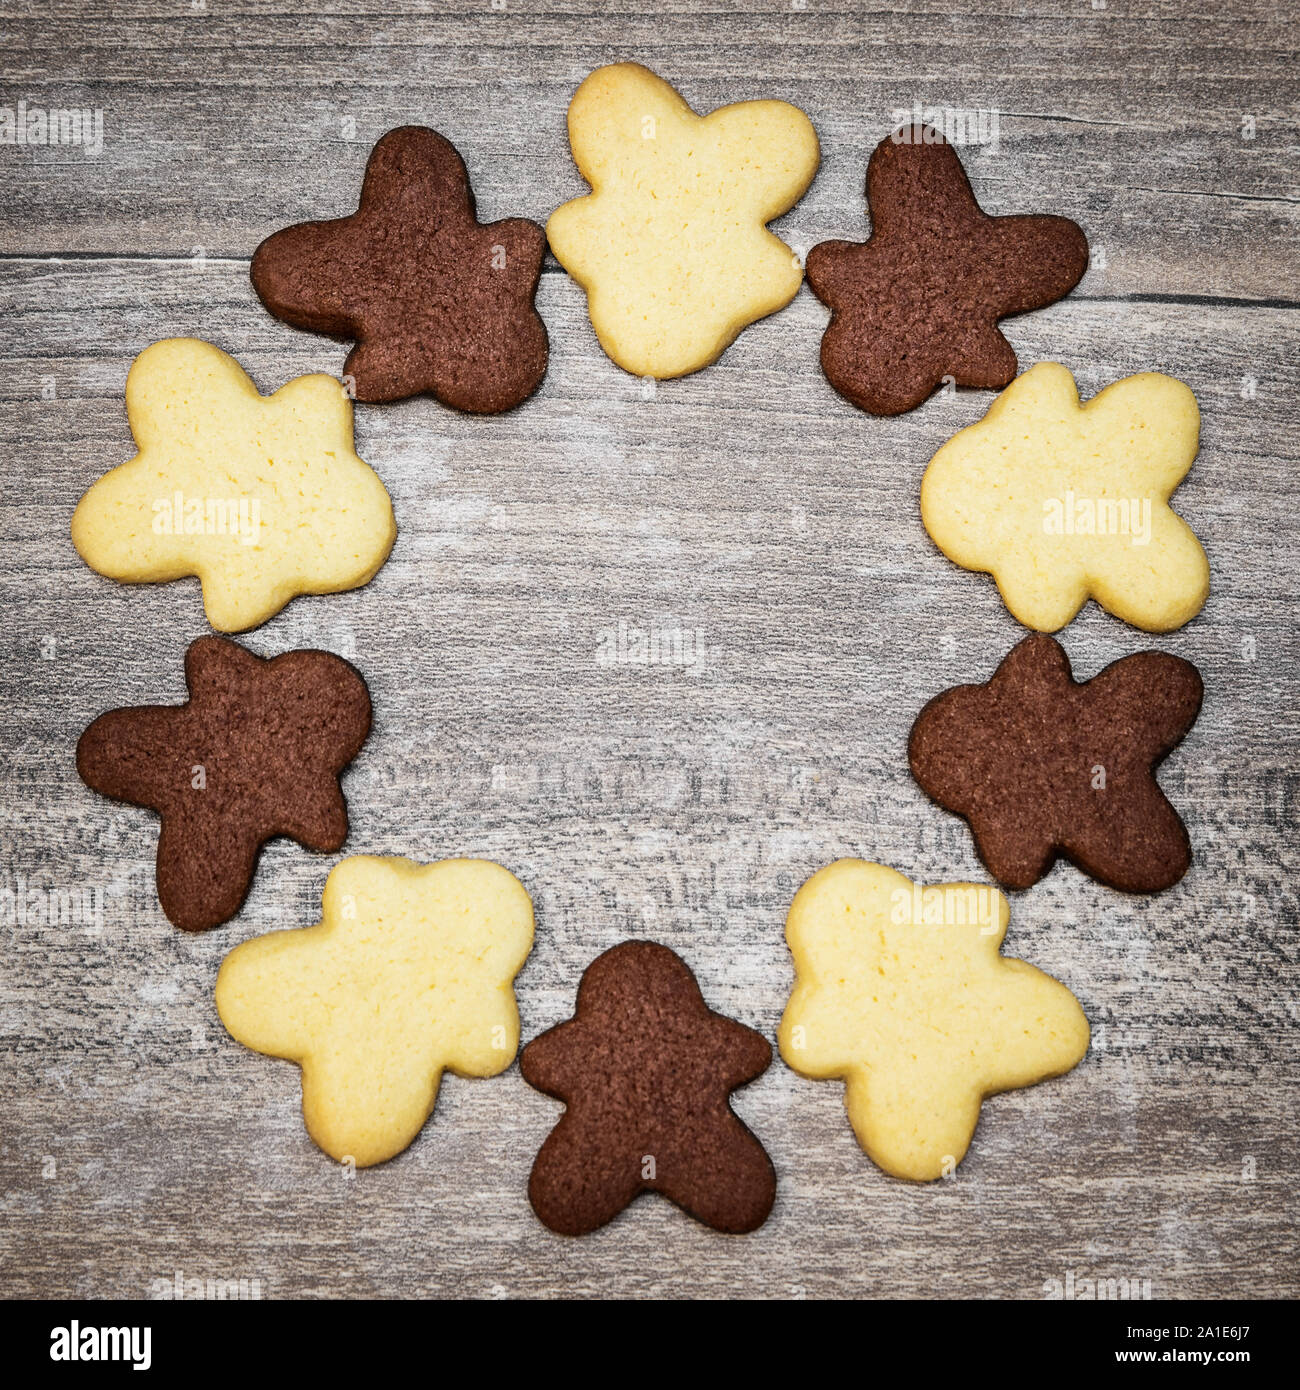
pixel 687 803
pixel 1130 123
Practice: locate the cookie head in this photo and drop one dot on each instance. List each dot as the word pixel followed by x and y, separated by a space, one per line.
pixel 920 300
pixel 901 991
pixel 256 752
pixel 261 497
pixel 409 973
pixel 1041 765
pixel 435 301
pixel 1062 502
pixel 645 1069
pixel 671 244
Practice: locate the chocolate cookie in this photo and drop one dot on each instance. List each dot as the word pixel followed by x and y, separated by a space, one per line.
pixel 256 752
pixel 1041 765
pixel 645 1068
pixel 921 299
pixel 434 300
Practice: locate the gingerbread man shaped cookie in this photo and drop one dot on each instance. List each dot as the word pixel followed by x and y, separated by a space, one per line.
pixel 902 992
pixel 645 1069
pixel 256 752
pixel 435 301
pixel 1040 764
pixel 671 244
pixel 409 973
pixel 261 497
pixel 1063 501
pixel 920 300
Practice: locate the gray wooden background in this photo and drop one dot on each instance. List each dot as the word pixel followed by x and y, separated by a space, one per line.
pixel 748 502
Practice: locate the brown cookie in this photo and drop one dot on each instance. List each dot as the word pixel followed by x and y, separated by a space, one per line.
pixel 1041 765
pixel 921 298
pixel 434 300
pixel 645 1069
pixel 256 752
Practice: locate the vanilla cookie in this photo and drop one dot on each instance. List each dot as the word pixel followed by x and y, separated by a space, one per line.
pixel 901 991
pixel 409 972
pixel 671 244
pixel 261 497
pixel 1062 502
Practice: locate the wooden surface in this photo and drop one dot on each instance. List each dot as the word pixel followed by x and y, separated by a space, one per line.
pixel 687 804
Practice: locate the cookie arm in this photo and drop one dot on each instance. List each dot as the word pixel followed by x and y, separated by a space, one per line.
pixel 551 1060
pixel 781 152
pixel 1033 260
pixel 1154 696
pixel 294 273
pixel 743 1053
pixel 830 270
pixel 125 754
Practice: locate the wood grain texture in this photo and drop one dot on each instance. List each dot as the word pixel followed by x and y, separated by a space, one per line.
pixel 687 804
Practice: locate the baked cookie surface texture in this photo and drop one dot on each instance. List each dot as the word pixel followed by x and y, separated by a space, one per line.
pixel 671 244
pixel 1062 502
pixel 261 497
pixel 645 1069
pixel 1041 765
pixel 900 990
pixel 256 752
pixel 408 973
pixel 921 299
pixel 435 301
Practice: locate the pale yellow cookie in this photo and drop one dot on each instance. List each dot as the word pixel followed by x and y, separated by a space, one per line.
pixel 671 244
pixel 261 497
pixel 1063 502
pixel 410 971
pixel 900 990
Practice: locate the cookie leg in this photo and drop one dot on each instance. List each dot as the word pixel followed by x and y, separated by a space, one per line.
pixel 728 1183
pixel 577 1185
